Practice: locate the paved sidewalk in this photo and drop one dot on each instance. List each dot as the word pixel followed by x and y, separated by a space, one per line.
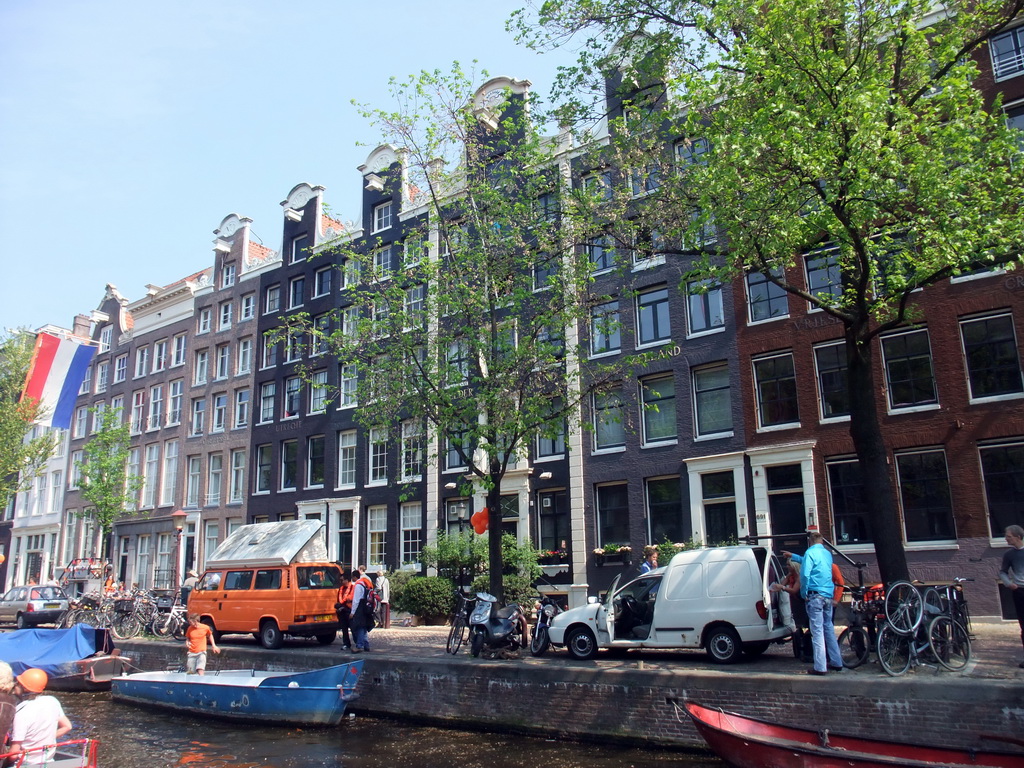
pixel 996 652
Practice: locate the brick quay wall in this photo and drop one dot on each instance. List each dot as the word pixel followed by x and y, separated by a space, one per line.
pixel 638 701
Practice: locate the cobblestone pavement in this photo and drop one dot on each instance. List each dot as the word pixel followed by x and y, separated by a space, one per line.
pixel 996 653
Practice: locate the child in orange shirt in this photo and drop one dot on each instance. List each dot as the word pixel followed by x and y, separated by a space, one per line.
pixel 196 637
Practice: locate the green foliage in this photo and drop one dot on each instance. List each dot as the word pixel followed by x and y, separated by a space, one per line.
pixel 425 596
pixel 456 553
pixel 517 588
pixel 21 459
pixel 106 485
pixel 399 580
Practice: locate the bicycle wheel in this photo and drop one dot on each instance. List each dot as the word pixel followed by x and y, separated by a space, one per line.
pixel 457 633
pixel 164 626
pixel 125 627
pixel 893 651
pixel 950 643
pixel 853 646
pixel 903 607
pixel 934 603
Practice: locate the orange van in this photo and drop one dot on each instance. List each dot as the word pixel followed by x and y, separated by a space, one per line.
pixel 264 580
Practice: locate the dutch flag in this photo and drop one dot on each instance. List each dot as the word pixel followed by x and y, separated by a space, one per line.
pixel 57 371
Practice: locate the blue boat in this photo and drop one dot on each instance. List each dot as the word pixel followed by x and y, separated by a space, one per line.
pixel 81 658
pixel 318 697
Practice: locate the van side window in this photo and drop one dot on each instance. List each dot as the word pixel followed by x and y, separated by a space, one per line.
pixel 317 577
pixel 238 580
pixel 210 581
pixel 268 580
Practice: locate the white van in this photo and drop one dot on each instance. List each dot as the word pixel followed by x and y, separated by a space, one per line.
pixel 717 599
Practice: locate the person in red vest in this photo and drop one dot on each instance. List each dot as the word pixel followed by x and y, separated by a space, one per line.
pixel 360 619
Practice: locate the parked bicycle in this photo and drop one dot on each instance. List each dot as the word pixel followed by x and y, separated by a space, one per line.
pixel 173 623
pixel 460 620
pixel 917 632
pixel 861 634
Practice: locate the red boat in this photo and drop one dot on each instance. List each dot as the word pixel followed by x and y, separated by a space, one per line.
pixel 744 742
pixel 80 753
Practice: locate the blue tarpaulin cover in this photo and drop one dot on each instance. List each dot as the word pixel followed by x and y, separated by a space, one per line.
pixel 52 650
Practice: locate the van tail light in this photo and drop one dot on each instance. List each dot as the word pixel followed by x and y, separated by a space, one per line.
pixel 299 619
pixel 762 611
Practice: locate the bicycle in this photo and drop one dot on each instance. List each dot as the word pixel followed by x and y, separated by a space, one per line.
pixel 460 621
pixel 173 623
pixel 861 634
pixel 949 600
pixel 915 625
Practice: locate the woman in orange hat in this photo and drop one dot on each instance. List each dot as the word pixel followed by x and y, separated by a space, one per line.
pixel 39 721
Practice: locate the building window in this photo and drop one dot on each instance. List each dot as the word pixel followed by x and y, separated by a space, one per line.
pixel 824 281
pixel 315 462
pixel 1008 53
pixel 106 336
pixel 141 362
pixel 268 394
pixel 415 297
pixel 82 421
pixel 658 396
pixel 320 341
pixel 156 406
pixel 299 248
pixel 612 514
pixel 318 392
pixel 412 532
pixel 296 292
pixel 198 416
pixel 227 310
pixel 376 528
pixel 214 479
pixel 193 481
pixel 833 387
pixel 272 299
pixel 692 152
pixel 765 299
pixel 159 356
pixel 604 329
pixel 382 216
pixel 289 464
pixel 84 387
pixel 347 459
pixel 201 370
pixel 665 511
pixel 718 498
pixel 849 508
pixel 412 449
pixel 924 494
pixel 211 537
pixel 382 262
pixel 292 397
pixel 601 253
pixel 909 376
pixel 178 351
pixel 348 385
pixel 293 344
pixel 652 321
pixel 990 348
pixel 551 441
pixel 322 281
pixel 75 475
pixel 609 426
pixel 775 387
pixel 1002 468
pixel 138 411
pixel 223 361
pixel 704 306
pixel 247 308
pixel 378 456
pixel 712 400
pixel 545 271
pixel 458 437
pixel 120 368
pixel 177 388
pixel 264 463
pixel 205 321
pixel 227 278
pixel 241 408
pixel 269 352
pixel 243 361
pixel 151 476
pixel 220 412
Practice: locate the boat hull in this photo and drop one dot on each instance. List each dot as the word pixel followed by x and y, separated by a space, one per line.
pixel 307 698
pixel 745 742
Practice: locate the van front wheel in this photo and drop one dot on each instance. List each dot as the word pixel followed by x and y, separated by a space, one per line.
pixel 270 636
pixel 723 645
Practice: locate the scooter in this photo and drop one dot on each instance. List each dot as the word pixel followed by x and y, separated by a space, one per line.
pixel 546 610
pixel 496 631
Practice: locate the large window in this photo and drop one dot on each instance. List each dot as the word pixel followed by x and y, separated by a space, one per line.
pixel 712 400
pixel 170 479
pixel 775 386
pixel 382 216
pixel 412 532
pixel 553 520
pixel 990 348
pixel 1002 467
pixel 315 461
pixel 924 494
pixel 292 397
pixel 849 507
pixel 704 306
pixel 551 442
pixel 318 392
pixel 604 329
pixel 151 476
pixel 612 514
pixel 658 398
pixel 268 395
pixel 1008 53
pixel 215 479
pixel 264 468
pixel 765 299
pixel 601 253
pixel 909 375
pixel 377 531
pixel 236 489
pixel 219 420
pixel 833 390
pixel 289 464
pixel 665 510
pixel 609 428
pixel 824 281
pixel 272 299
pixel 412 449
pixel 296 292
pixel 378 456
pixel 299 248
pixel 347 459
pixel 241 408
pixel 194 481
pixel 652 321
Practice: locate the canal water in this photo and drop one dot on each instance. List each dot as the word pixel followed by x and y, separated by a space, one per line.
pixel 133 737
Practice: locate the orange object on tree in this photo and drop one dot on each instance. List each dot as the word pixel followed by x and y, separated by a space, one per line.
pixel 480 520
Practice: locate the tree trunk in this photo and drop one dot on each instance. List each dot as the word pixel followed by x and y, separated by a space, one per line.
pixel 866 431
pixel 495 561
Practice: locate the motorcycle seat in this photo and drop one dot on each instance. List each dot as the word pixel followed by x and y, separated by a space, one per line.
pixel 507 612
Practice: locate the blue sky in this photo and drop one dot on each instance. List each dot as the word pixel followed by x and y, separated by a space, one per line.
pixel 129 130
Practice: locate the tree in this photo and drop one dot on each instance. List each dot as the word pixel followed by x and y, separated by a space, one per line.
pixel 20 458
pixel 106 484
pixel 474 338
pixel 852 131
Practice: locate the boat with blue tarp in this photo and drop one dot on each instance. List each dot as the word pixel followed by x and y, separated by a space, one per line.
pixel 80 658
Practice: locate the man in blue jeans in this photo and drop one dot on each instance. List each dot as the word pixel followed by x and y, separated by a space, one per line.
pixel 816 588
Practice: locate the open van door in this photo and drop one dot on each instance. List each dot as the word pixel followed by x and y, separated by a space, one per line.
pixel 608 610
pixel 771 572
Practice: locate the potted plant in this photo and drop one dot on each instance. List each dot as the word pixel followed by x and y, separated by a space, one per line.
pixel 613 554
pixel 552 556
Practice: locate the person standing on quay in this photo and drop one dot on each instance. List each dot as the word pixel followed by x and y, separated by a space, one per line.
pixel 1011 573
pixel 362 621
pixel 345 609
pixel 817 589
pixel 384 588
pixel 650 559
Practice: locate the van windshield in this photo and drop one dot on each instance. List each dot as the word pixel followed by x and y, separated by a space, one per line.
pixel 318 577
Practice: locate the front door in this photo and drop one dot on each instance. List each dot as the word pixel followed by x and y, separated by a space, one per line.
pixel 786 499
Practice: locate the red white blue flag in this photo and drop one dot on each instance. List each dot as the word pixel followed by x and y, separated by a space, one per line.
pixel 57 371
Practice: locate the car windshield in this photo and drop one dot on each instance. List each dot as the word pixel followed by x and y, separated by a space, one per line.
pixel 47 593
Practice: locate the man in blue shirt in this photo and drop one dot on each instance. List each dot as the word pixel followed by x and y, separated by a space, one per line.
pixel 816 588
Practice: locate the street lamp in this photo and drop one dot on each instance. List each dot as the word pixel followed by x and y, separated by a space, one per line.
pixel 178 520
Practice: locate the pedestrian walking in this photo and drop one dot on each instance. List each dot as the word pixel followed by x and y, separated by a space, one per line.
pixel 1011 573
pixel 344 609
pixel 817 589
pixel 384 589
pixel 361 619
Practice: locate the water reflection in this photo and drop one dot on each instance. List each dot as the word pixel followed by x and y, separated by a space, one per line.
pixel 133 737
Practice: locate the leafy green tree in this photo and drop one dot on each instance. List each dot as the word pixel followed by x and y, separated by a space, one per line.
pixel 106 485
pixel 849 130
pixel 20 458
pixel 474 339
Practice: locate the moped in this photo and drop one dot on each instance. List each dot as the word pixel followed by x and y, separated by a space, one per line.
pixel 496 631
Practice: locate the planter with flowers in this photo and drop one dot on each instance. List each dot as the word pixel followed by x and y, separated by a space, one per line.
pixel 553 561
pixel 612 554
